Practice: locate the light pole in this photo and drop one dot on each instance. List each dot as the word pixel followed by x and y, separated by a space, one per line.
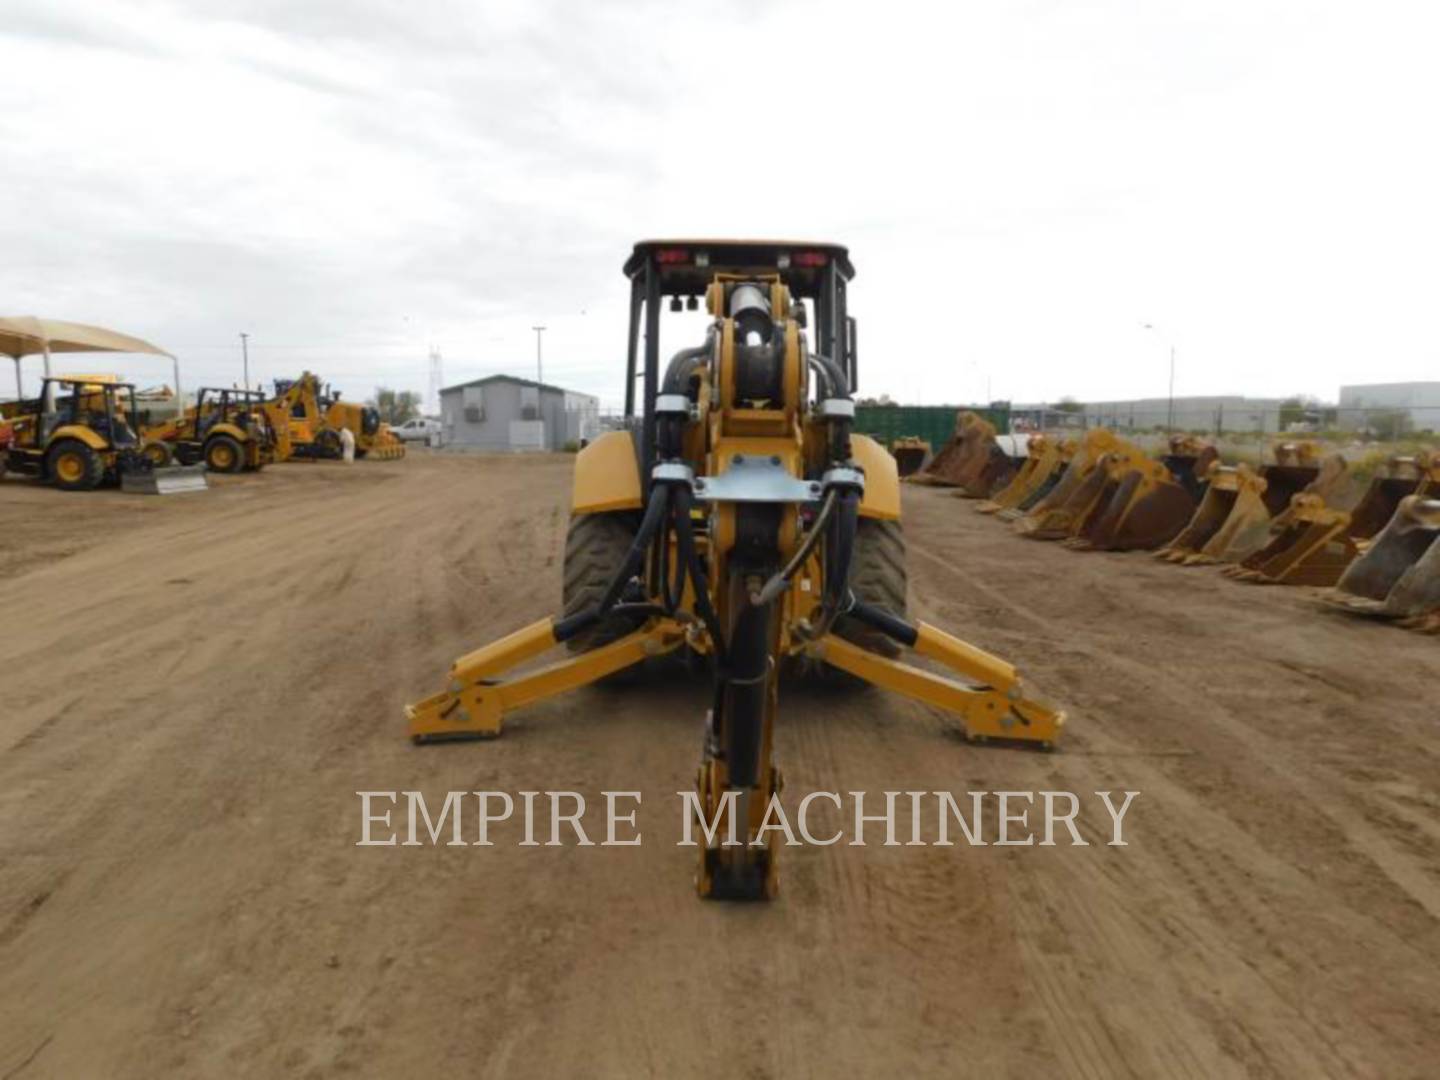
pixel 245 357
pixel 1170 407
pixel 539 361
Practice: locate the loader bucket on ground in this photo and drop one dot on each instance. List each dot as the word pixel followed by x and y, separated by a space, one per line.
pixel 1313 543
pixel 1092 447
pixel 945 468
pixel 1189 462
pixel 1042 458
pixel 910 453
pixel 996 471
pixel 1041 491
pixel 1091 491
pixel 961 462
pixel 1146 509
pixel 1310 546
pixel 1230 521
pixel 164 480
pixel 1398 577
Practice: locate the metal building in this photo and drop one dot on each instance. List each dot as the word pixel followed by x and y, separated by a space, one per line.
pixel 1420 401
pixel 503 412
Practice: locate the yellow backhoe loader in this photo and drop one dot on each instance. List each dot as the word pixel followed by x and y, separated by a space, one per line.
pixel 77 436
pixel 373 437
pixel 226 429
pixel 743 521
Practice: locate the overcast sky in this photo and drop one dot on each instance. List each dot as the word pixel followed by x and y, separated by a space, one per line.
pixel 1021 184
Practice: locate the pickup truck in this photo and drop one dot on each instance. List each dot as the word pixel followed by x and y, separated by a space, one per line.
pixel 418 430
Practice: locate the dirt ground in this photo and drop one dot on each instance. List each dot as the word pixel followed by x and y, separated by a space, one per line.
pixel 194 688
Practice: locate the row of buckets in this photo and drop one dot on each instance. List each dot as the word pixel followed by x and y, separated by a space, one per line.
pixel 1277 523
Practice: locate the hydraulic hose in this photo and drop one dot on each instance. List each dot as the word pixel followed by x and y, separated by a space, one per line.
pixel 781 580
pixel 839 385
pixel 689 555
pixel 582 620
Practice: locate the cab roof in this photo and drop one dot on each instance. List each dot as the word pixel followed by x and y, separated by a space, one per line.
pixel 688 266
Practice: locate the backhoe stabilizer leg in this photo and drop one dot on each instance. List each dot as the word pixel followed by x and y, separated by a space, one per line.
pixel 475 705
pixel 996 709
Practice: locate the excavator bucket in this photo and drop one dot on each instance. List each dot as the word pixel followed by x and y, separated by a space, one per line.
pixel 1032 498
pixel 1189 461
pixel 1042 457
pixel 1398 577
pixel 1087 499
pixel 1056 515
pixel 972 460
pixel 910 453
pixel 1240 507
pixel 1314 543
pixel 948 464
pixel 163 480
pixel 1143 506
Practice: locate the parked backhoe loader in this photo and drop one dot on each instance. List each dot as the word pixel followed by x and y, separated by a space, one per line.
pixel 1398 577
pixel 77 436
pixel 226 429
pixel 1241 504
pixel 299 410
pixel 373 437
pixel 742 521
pixel 1313 542
pixel 910 452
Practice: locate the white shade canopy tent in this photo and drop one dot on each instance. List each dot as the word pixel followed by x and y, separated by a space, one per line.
pixel 25 335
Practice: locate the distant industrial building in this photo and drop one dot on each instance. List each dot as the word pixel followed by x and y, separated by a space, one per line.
pixel 503 412
pixel 1420 401
pixel 1224 412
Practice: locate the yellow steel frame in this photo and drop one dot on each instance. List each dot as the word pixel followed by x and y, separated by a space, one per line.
pixel 475 705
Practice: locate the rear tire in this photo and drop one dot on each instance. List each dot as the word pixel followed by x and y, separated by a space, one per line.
pixel 158 454
pixel 224 455
pixel 595 548
pixel 73 466
pixel 878 576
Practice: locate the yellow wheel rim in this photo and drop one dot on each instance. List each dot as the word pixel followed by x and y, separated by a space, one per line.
pixel 70 467
pixel 155 454
pixel 222 458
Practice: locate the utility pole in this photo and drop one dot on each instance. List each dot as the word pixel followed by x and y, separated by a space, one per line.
pixel 245 357
pixel 437 377
pixel 539 359
pixel 1170 408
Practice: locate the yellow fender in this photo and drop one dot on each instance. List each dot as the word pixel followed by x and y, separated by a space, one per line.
pixel 79 432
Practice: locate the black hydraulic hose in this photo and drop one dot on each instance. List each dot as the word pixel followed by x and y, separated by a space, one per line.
pixel 840 547
pixel 887 623
pixel 839 384
pixel 683 364
pixel 568 627
pixel 685 539
pixel 635 557
pixel 781 580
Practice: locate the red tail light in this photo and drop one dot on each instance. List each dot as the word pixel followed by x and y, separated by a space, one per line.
pixel 809 258
pixel 670 256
